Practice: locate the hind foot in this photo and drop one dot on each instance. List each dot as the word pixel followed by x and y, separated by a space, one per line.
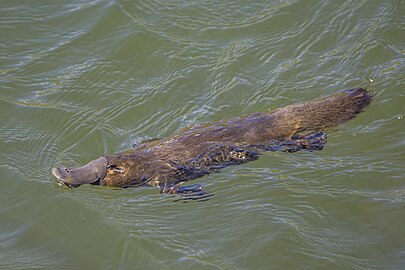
pixel 312 141
pixel 309 142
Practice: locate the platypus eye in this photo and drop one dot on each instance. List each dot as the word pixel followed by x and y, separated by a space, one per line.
pixel 115 168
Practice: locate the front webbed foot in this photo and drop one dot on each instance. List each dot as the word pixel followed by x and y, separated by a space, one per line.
pixel 196 188
pixel 187 193
pixel 178 189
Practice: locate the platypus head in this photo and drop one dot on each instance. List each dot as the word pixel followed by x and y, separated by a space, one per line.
pixel 92 172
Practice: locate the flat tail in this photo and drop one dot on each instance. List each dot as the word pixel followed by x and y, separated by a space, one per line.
pixel 359 97
pixel 325 112
pixel 336 109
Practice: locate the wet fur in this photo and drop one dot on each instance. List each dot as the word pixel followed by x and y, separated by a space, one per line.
pixel 203 149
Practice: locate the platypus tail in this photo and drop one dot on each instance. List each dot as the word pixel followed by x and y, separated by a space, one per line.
pixel 324 112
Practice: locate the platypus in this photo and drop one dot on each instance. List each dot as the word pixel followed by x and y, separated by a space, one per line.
pixel 167 163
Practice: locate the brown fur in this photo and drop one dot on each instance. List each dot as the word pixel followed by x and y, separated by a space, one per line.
pixel 202 149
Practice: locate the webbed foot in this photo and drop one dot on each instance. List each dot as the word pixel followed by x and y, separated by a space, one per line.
pixel 309 142
pixel 192 192
pixel 196 188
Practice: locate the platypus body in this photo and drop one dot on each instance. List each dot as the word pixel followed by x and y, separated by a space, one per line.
pixel 203 149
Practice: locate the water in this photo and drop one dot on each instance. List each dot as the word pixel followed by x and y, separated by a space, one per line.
pixel 85 78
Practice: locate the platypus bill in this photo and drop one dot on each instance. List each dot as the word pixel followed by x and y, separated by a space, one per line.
pixel 203 149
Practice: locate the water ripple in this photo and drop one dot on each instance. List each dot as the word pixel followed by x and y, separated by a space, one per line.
pixel 91 77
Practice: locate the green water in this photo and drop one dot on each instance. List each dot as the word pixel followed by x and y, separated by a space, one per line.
pixel 83 78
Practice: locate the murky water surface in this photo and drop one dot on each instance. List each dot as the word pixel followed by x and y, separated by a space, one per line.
pixel 83 78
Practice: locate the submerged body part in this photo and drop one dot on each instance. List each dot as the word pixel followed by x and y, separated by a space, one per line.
pixel 203 149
